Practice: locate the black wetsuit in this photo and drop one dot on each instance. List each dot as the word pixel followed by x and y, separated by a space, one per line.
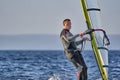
pixel 72 52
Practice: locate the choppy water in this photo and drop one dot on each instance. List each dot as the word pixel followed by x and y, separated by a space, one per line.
pixel 44 65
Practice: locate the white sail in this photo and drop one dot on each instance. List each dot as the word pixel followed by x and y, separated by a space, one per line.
pixel 96 24
pixel 99 39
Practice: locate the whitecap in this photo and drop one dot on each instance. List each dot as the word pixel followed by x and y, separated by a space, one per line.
pixel 55 77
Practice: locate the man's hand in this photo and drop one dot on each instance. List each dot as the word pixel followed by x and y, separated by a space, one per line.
pixel 81 35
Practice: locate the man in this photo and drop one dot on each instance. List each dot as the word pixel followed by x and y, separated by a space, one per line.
pixel 71 51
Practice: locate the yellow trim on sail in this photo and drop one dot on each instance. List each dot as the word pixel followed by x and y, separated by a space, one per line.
pixel 97 52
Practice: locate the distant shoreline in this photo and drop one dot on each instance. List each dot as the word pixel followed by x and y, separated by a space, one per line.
pixel 49 50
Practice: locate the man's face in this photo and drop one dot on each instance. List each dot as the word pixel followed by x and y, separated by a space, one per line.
pixel 68 25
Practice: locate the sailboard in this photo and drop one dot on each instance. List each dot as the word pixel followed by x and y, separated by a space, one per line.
pixel 99 39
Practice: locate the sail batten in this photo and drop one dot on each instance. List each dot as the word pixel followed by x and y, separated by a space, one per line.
pixel 93 9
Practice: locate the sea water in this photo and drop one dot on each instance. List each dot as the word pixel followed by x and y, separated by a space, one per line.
pixel 51 65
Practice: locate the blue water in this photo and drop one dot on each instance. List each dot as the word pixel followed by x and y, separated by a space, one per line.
pixel 42 65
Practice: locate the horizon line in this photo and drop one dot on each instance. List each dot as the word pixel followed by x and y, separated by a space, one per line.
pixel 39 34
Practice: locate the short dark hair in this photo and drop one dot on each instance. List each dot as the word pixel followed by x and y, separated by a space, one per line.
pixel 66 20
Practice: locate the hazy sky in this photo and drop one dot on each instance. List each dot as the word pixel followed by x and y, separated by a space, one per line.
pixel 46 16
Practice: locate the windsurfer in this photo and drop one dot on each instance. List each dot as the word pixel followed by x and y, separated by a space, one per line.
pixel 71 50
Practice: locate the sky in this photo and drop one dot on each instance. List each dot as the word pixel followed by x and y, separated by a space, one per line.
pixel 46 16
pixel 21 18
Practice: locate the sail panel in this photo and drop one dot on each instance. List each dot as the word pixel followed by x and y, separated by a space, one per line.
pixel 95 17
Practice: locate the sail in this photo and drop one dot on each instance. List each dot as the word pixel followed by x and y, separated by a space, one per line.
pixel 99 39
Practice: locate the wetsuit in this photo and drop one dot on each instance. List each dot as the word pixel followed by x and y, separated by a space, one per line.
pixel 72 53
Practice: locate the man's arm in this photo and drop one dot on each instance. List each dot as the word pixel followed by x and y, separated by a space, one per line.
pixel 72 38
pixel 67 40
pixel 81 41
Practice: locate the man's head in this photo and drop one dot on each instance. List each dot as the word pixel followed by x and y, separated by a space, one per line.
pixel 67 24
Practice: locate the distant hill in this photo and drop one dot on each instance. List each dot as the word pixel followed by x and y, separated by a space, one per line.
pixel 28 42
pixel 43 42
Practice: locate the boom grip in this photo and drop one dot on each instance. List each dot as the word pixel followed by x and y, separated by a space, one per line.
pixel 89 31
